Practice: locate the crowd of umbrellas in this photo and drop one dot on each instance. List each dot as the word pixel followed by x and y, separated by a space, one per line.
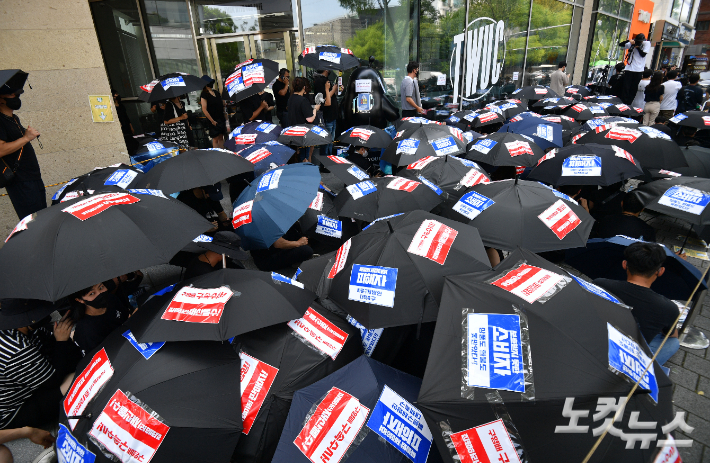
pixel 400 342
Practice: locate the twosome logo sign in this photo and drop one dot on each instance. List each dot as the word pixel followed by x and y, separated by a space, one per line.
pixel 484 53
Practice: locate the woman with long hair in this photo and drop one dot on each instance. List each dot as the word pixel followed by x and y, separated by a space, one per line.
pixel 653 95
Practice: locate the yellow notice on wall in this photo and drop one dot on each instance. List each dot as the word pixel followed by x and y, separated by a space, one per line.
pixel 101 108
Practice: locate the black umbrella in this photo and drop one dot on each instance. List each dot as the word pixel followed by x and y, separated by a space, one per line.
pixel 448 173
pixel 696 119
pixel 305 135
pixel 544 336
pixel 102 179
pixel 380 197
pixel 12 79
pixel 624 110
pixel 193 169
pixel 681 197
pixel 603 99
pixel 219 305
pixel 535 92
pixel 512 213
pixel 391 274
pixel 413 122
pixel 154 150
pixel 250 77
pixel 164 402
pixel 18 313
pixel 251 133
pixel 558 102
pixel 290 357
pixel 509 108
pixel 428 140
pixel 505 149
pixel 76 244
pixel 367 136
pixel 171 85
pixel 651 147
pixel 698 159
pixel 321 225
pixel 566 122
pixel 584 112
pixel 588 164
pixel 342 168
pixel 577 90
pixel 328 57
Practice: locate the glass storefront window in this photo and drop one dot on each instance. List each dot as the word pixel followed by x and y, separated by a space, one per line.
pixel 627 10
pixel 605 52
pixel 609 6
pixel 240 16
pixel 173 46
pixel 686 10
pixel 547 45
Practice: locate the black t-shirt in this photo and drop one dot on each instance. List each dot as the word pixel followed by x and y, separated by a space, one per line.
pixel 298 110
pixel 622 224
pixel 265 114
pixel 214 105
pixel 654 313
pixel 281 101
pixel 249 105
pixel 11 129
pixel 330 113
pixel 689 98
pixel 653 95
pixel 172 111
pixel 91 330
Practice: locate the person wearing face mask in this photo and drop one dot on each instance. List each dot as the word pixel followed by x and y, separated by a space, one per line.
pixel 411 99
pixel 26 189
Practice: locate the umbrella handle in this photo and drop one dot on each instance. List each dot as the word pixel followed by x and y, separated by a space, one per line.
pixel 686 239
pixel 224 261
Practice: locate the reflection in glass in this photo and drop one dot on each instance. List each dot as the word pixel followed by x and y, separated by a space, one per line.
pixel 627 10
pixel 609 6
pixel 608 32
pixel 229 17
pixel 547 44
pixel 173 46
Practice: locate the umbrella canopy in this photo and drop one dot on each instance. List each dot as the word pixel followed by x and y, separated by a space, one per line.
pixel 450 174
pixel 12 79
pixel 545 134
pixel 265 156
pixel 193 169
pixel 367 136
pixel 650 146
pixel 558 102
pixel 566 122
pixel 577 90
pixel 603 99
pixel 428 140
pixel 342 168
pixel 83 241
pixel 171 85
pixel 355 401
pixel 391 274
pixel 320 223
pixel 328 57
pixel 305 135
pixel 602 258
pixel 252 133
pixel 510 107
pixel 274 201
pixel 584 112
pixel 484 117
pixel 565 336
pixel 592 124
pixel 535 92
pixel 381 197
pixel 698 159
pixel 18 313
pixel 588 164
pixel 101 179
pixel 525 115
pixel 250 77
pixel 512 213
pixel 407 123
pixel 152 152
pixel 696 119
pixel 161 403
pixel 624 110
pixel 291 356
pixel 505 149
pixel 219 305
pixel 681 197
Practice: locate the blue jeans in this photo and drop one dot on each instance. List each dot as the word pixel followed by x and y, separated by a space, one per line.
pixel 669 348
pixel 327 150
pixel 27 197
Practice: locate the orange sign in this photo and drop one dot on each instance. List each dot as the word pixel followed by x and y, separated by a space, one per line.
pixel 641 19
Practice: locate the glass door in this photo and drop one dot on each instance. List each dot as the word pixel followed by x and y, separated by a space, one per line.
pixel 227 53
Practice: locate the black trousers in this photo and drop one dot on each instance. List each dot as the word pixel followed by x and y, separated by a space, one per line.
pixel 630 86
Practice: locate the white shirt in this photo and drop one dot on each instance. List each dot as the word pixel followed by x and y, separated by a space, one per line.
pixel 636 61
pixel 639 101
pixel 670 92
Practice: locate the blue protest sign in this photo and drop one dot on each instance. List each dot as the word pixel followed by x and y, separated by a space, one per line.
pixel 594 289
pixel 677 118
pixel 361 189
pixel 627 358
pixel 467 163
pixel 329 56
pixel 444 146
pixel 373 285
pixel 265 127
pixel 358 173
pixel 269 180
pixel 454 119
pixel 594 123
pixel 146 349
pixel 382 218
pixel 401 424
pixel 430 184
pixel 329 227
pixel 142 191
pixel 61 190
pixel 319 131
pixel 122 178
pixel 685 199
pixel 545 131
pixel 407 146
pixel 582 166
pixel 154 146
pixel 69 450
pixel 284 279
pixel 172 82
pixel 203 239
pixel 368 338
pixel 484 145
pixel 472 204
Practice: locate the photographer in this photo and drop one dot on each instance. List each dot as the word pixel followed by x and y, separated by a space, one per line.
pixel 321 84
pixel 635 63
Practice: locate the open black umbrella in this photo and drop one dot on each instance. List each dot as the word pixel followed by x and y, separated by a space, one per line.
pixel 566 122
pixel 587 164
pixel 367 136
pixel 328 57
pixel 681 197
pixel 582 112
pixel 535 92
pixel 698 159
pixel 696 119
pixel 558 102
pixel 171 85
pixel 219 305
pixel 505 149
pixel 252 133
pixel 380 197
pixel 290 356
pixel 577 90
pixel 305 135
pixel 114 178
pixel 18 313
pixel 12 79
pixel 193 169
pixel 513 346
pixel 161 402
pixel 250 77
pixel 624 110
pixel 391 273
pixel 342 168
pixel 427 140
pixel 83 241
pixel 509 108
pixel 151 152
pixel 512 213
pixel 448 173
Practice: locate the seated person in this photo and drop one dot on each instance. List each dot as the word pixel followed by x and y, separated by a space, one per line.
pixel 36 368
pixel 628 222
pixel 654 313
pixel 37 436
pixel 206 201
pixel 288 251
pixel 365 159
pixel 208 255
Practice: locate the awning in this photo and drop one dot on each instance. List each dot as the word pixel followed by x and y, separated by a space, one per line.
pixel 670 45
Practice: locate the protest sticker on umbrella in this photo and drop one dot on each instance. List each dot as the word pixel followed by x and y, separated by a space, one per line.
pixel 245 139
pixel 487 443
pixel 265 127
pixel 146 349
pixel 407 146
pixel 372 284
pixel 685 199
pixel 295 131
pixel 329 56
pixel 242 214
pixel 484 145
pixel 361 189
pixel 669 453
pixel 358 173
pixel 472 204
pixel 560 218
pixel 594 289
pixel 362 134
pixel 431 185
pixel 421 163
pixel 627 359
pixel 198 305
pixel 401 424
pixel 21 226
pixel 69 450
pixel 545 131
pixel 473 177
pixel 87 385
pixel 433 240
pixel 172 82
pixel 256 380
pixel 331 430
pixel 121 178
pixel 128 431
pixel 329 227
pixel 319 131
pixel 339 160
pixel 269 181
pixel 531 283
pixel 444 146
pixel 95 205
pixel 403 184
pixel 318 331
pixel 258 155
pixel 677 118
pixel 317 203
pixel 582 166
pixel 623 133
pixel 368 338
pixel 253 74
pixel 487 117
pixel 340 258
pixel 518 148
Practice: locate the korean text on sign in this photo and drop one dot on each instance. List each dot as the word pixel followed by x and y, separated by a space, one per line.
pixel 373 285
pixel 560 219
pixel 472 204
pixel 528 282
pixel 488 443
pixel 433 240
pixel 87 385
pixel 69 450
pixel 256 380
pixel 197 305
pixel 95 205
pixel 627 357
pixel 320 332
pixel 685 199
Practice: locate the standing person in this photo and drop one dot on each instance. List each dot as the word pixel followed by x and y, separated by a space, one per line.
pixel 269 99
pixel 322 85
pixel 126 126
pixel 635 63
pixel 213 109
pixel 253 108
pixel 690 97
pixel 616 81
pixel 282 92
pixel 670 91
pixel 175 126
pixel 411 100
pixel 639 101
pixel 653 95
pixel 300 110
pixel 559 80
pixel 26 189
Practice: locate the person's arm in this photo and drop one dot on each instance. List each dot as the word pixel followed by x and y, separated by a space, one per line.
pixel 38 436
pixel 203 103
pixel 258 110
pixel 313 117
pixel 176 119
pixel 327 93
pixel 660 99
pixel 282 243
pixel 284 90
pixel 9 147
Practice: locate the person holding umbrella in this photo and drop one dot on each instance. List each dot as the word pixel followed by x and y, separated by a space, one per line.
pixel 287 251
pixel 175 125
pixel 282 92
pixel 322 85
pixel 213 109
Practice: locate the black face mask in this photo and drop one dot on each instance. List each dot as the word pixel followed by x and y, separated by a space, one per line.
pixel 13 103
pixel 101 301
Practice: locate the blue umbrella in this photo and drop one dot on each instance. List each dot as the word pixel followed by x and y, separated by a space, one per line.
pixel 273 202
pixel 602 259
pixel 363 399
pixel 545 134
pixel 266 156
pixel 252 133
